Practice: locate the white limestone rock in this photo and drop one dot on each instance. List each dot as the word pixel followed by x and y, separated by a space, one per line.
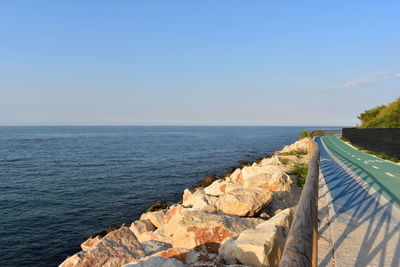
pixel 90 242
pixel 189 228
pixel 115 249
pixel 261 246
pixel 244 202
pixel 199 200
pixel 154 217
pixel 152 246
pixel 217 188
pixel 142 229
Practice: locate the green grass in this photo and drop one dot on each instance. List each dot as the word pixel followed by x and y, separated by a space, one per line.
pixel 376 154
pixel 295 153
pixel 300 171
pixel 285 161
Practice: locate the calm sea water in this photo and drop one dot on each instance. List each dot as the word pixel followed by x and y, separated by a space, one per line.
pixel 58 185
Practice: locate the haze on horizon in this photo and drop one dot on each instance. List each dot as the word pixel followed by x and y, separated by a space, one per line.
pixel 196 62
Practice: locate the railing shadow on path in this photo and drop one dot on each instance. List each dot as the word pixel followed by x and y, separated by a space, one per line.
pixel 356 206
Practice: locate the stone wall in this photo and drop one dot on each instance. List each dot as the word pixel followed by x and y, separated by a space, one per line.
pixel 383 140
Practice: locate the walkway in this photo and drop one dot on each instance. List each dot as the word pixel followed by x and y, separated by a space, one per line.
pixel 358 208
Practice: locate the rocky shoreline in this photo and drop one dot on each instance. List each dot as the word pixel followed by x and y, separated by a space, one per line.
pixel 240 219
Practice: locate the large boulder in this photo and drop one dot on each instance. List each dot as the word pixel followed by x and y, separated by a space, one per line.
pixel 261 246
pixel 278 182
pixel 189 228
pixel 152 246
pixel 284 200
pixel 221 187
pixel 142 229
pixel 96 237
pixel 176 253
pixel 274 160
pixel 244 202
pixel 250 171
pixel 217 188
pixel 160 234
pixel 236 176
pixel 90 242
pixel 270 177
pixel 154 217
pixel 115 249
pixel 198 199
pixel 198 257
pixel 298 145
pixel 231 187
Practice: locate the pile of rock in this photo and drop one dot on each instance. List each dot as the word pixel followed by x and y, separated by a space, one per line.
pixel 241 220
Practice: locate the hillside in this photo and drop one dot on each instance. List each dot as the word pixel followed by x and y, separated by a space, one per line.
pixel 385 116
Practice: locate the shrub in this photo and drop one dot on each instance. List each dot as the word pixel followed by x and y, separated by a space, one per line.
pixel 284 161
pixel 370 114
pixel 304 134
pixel 382 116
pixel 295 153
pixel 300 171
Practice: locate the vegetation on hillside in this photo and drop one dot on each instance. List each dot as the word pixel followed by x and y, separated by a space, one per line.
pixel 382 116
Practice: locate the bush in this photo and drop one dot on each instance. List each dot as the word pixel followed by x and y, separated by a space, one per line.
pixel 382 116
pixel 304 134
pixel 295 153
pixel 370 114
pixel 284 161
pixel 300 171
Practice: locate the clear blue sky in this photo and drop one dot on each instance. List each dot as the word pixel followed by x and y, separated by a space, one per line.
pixel 196 62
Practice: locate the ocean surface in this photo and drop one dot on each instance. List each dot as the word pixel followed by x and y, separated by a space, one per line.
pixel 58 185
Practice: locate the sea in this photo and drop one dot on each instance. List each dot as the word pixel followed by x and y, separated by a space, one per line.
pixel 58 185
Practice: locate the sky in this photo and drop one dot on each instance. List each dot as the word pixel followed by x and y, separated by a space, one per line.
pixel 230 62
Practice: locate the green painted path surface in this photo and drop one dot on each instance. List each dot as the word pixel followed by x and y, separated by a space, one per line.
pixel 382 175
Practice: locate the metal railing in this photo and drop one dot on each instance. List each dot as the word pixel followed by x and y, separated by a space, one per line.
pixel 301 248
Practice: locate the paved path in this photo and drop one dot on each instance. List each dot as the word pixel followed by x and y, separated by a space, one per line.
pixel 358 208
pixel 382 175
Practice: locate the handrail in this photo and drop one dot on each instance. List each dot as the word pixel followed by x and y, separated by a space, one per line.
pixel 301 244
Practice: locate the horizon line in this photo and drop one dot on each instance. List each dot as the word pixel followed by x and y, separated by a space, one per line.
pixel 169 125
